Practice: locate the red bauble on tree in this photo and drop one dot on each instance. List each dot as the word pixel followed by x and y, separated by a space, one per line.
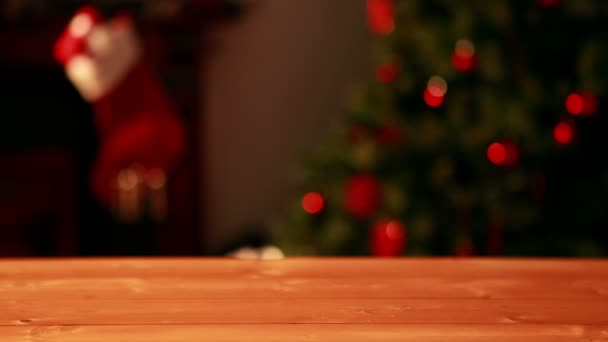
pixel 387 238
pixel 381 16
pixel 563 133
pixel 463 58
pixel 435 91
pixel 362 196
pixel 503 153
pixel 584 103
pixel 313 203
pixel 431 99
pixel 574 104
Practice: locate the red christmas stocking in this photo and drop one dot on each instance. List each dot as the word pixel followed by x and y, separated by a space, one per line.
pixel 136 120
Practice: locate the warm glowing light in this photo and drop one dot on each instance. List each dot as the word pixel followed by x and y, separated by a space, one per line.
pixel 463 57
pixel 497 153
pixel 437 86
pixel 83 72
pixel 563 133
pixel 80 25
pixel 432 100
pixel 156 179
pixel 574 104
pixel 462 64
pixel 127 179
pixel 83 68
pixel 465 48
pixel 313 203
pixel 271 253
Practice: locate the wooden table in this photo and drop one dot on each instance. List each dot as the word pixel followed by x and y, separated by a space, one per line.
pixel 304 300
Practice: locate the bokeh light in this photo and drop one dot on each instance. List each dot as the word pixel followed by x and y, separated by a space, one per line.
pixel 388 238
pixel 128 179
pixel 432 100
pixel 574 104
pixel 563 133
pixel 437 86
pixel 80 25
pixel 156 178
pixel 313 203
pixel 465 48
pixel 463 56
pixel 497 153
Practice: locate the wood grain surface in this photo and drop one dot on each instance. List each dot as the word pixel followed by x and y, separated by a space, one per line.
pixel 303 299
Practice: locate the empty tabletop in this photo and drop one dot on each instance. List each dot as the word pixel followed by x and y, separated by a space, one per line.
pixel 303 299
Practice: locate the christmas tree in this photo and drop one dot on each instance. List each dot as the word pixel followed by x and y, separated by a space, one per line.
pixel 483 135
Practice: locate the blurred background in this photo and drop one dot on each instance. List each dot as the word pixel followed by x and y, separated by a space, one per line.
pixel 343 127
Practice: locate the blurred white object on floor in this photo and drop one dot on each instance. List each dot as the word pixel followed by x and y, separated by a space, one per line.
pixel 268 252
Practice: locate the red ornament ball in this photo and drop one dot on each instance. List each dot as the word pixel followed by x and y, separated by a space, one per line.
pixel 388 238
pixel 462 62
pixel 381 16
pixel 503 153
pixel 574 104
pixel 497 153
pixel 463 58
pixel 386 73
pixel 432 99
pixel 563 133
pixel 584 103
pixel 313 203
pixel 362 196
